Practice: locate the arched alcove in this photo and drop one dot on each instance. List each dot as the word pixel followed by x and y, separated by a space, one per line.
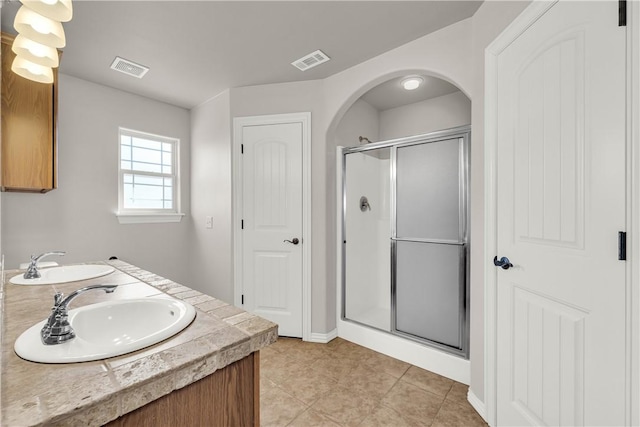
pixel 383 111
pixel 388 111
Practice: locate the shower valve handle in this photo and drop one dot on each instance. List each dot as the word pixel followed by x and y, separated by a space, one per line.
pixel 295 241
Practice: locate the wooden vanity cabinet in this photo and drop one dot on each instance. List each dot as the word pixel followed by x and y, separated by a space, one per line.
pixel 29 141
pixel 230 397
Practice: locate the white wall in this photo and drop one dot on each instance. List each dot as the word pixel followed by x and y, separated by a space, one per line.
pixel 211 139
pixel 78 217
pixel 291 98
pixel 488 22
pixel 360 120
pixel 212 249
pixel 434 114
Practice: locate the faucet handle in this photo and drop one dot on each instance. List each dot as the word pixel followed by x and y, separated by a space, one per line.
pixel 57 299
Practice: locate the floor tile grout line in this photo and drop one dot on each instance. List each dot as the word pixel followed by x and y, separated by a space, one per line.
pixel 286 392
pixel 384 405
pixel 308 406
pixel 435 417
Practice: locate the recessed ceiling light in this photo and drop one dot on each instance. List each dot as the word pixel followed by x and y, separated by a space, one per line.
pixel 411 83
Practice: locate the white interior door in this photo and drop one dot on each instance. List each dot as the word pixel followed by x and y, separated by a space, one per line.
pixel 272 224
pixel 560 204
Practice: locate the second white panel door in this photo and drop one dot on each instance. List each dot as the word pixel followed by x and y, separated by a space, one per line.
pixel 272 224
pixel 560 205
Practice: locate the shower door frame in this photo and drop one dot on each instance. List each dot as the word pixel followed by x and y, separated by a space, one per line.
pixel 462 133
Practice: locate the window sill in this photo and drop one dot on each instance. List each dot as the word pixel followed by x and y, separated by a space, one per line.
pixel 148 218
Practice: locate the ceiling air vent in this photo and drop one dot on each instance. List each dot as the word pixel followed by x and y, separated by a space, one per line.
pixel 311 60
pixel 128 67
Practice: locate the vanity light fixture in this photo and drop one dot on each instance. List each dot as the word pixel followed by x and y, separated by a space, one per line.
pixel 31 71
pixel 412 83
pixel 58 10
pixel 40 33
pixel 39 28
pixel 37 53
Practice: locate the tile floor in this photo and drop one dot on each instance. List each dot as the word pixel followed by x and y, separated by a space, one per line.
pixel 344 384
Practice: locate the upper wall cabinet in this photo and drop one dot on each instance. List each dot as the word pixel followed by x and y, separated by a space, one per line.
pixel 29 145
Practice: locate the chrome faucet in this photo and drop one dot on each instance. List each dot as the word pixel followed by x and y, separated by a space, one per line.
pixel 32 271
pixel 57 329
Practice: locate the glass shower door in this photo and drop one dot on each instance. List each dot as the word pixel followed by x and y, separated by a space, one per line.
pixel 367 229
pixel 429 243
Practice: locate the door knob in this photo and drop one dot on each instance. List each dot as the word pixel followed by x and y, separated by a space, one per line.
pixel 295 241
pixel 503 262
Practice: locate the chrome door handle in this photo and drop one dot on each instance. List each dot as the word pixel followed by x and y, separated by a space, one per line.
pixel 295 241
pixel 503 262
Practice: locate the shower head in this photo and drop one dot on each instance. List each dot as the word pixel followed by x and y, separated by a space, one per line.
pixel 364 138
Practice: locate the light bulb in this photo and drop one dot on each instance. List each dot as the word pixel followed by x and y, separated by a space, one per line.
pixel 38 50
pixel 34 69
pixel 35 52
pixel 31 71
pixel 58 10
pixel 39 28
pixel 412 83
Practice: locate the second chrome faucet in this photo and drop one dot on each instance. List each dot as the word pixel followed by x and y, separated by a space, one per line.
pixel 32 271
pixel 58 329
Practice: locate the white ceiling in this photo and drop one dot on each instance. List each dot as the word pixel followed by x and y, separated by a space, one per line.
pixel 197 49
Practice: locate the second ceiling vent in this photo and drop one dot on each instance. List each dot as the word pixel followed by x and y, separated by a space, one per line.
pixel 128 67
pixel 310 60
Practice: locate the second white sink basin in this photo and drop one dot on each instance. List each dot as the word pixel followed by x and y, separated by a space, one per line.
pixel 109 329
pixel 68 273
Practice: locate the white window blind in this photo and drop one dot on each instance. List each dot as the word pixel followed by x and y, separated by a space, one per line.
pixel 148 174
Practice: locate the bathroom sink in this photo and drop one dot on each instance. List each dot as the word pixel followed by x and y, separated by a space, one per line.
pixel 69 273
pixel 109 329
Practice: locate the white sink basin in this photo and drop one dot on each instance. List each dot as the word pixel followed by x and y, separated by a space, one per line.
pixel 69 273
pixel 109 329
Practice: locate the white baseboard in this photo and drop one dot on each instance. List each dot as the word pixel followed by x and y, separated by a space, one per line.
pixel 477 404
pixel 323 338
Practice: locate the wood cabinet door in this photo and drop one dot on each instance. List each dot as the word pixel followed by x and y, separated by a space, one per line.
pixel 28 129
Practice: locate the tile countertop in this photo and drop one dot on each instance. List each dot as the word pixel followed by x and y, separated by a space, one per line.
pixel 94 393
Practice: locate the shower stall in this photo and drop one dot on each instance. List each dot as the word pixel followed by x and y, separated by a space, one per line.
pixel 405 238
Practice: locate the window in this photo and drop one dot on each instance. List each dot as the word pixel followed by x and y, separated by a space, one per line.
pixel 148 188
